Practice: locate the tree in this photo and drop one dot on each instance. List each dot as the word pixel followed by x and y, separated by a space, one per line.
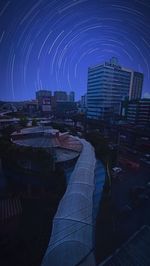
pixel 23 121
pixel 34 122
pixel 100 143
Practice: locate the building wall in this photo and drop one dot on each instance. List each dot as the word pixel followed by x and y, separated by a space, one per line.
pixel 84 101
pixel 44 100
pixel 132 112
pixel 60 96
pixel 136 86
pixel 108 85
pixel 71 96
pixel 138 111
pixel 65 108
pixel 144 111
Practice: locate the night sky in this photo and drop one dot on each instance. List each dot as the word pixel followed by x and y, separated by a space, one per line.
pixel 50 44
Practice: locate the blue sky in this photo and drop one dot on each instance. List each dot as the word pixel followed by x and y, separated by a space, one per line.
pixel 50 44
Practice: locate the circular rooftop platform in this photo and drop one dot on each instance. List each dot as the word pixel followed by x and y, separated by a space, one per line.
pixel 65 147
pixel 34 130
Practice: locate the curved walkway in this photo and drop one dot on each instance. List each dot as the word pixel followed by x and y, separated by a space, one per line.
pixel 72 233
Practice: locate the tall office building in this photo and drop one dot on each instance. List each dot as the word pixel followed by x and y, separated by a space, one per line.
pixel 109 84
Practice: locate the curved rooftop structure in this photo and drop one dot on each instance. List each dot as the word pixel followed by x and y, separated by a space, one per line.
pixel 34 130
pixel 65 146
pixel 72 233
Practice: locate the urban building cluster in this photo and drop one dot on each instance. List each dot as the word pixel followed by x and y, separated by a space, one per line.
pixel 45 103
pixel 111 91
pixel 49 145
pixel 48 102
pixel 58 104
pixel 114 92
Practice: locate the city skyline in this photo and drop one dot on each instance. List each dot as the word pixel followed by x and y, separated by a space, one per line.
pixel 50 44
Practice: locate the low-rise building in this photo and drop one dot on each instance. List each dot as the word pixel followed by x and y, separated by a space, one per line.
pixel 137 112
pixel 60 96
pixel 62 146
pixel 44 100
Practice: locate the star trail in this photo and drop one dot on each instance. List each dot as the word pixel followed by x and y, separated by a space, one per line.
pixel 50 44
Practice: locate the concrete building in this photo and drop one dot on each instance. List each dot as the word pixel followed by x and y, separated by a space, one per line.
pixel 44 100
pixel 63 146
pixel 65 109
pixel 137 112
pixel 31 107
pixel 109 84
pixel 72 237
pixel 83 104
pixel 84 101
pixel 71 96
pixel 136 86
pixel 60 96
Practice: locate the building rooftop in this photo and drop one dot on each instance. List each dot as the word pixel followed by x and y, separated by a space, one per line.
pixel 38 129
pixel 66 147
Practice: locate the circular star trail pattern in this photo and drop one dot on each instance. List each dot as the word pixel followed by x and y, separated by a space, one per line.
pixel 50 44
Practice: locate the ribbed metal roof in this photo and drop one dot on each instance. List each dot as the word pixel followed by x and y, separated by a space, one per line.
pixel 72 233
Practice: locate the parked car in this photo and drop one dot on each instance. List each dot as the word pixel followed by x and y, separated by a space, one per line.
pixel 117 169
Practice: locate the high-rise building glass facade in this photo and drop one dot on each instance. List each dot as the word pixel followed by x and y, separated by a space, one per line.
pixel 108 85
